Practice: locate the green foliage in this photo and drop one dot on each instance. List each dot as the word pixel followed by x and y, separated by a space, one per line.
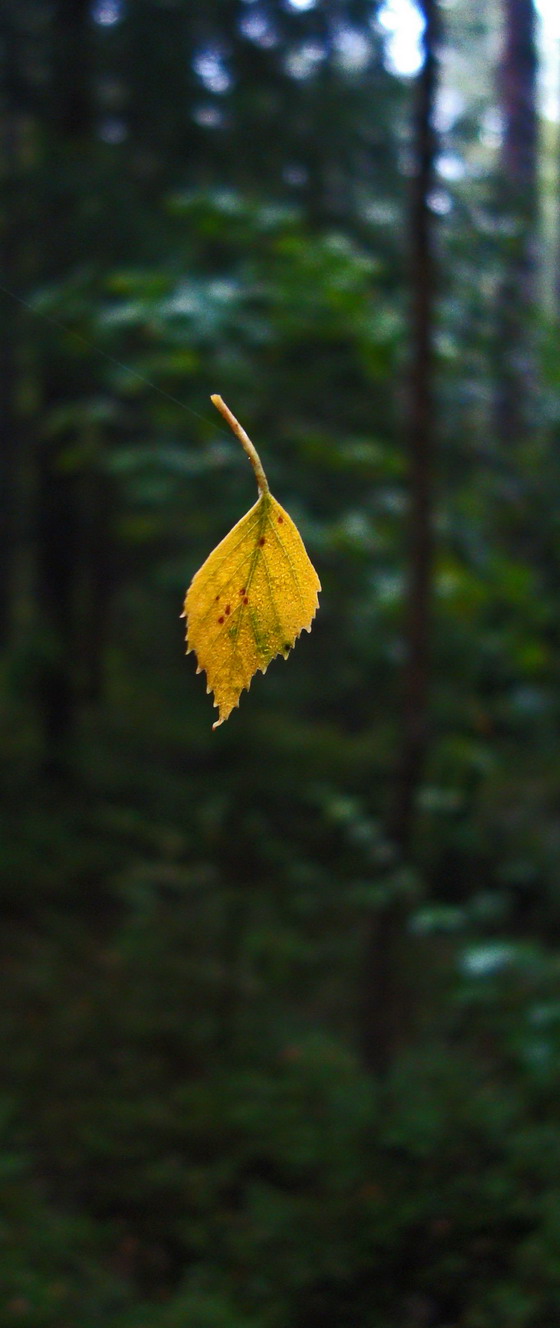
pixel 187 1133
pixel 268 1182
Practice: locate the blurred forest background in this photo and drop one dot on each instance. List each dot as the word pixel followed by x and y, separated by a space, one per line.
pixel 280 1014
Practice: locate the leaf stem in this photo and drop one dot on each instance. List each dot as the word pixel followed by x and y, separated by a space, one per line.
pixel 247 445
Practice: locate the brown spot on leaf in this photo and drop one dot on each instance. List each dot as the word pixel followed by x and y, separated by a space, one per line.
pixel 228 608
pixel 262 541
pixel 242 591
pixel 246 599
pixel 280 520
pixel 221 620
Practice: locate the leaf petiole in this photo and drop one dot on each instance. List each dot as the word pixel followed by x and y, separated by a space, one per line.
pixel 247 445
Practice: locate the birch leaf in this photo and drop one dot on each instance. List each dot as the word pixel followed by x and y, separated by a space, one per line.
pixel 254 595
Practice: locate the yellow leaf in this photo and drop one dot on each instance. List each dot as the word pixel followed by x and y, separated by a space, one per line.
pixel 252 597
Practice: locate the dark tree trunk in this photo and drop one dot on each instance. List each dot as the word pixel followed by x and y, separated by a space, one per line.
pixel 386 999
pixel 421 413
pixel 97 558
pixel 9 420
pixel 11 113
pixel 515 352
pixel 69 125
pixel 71 104
pixel 57 535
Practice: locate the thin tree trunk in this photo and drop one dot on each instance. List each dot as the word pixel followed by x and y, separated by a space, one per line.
pixel 57 539
pixel 414 730
pixel 385 994
pixel 555 302
pixel 97 560
pixel 57 492
pixel 10 233
pixel 515 350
